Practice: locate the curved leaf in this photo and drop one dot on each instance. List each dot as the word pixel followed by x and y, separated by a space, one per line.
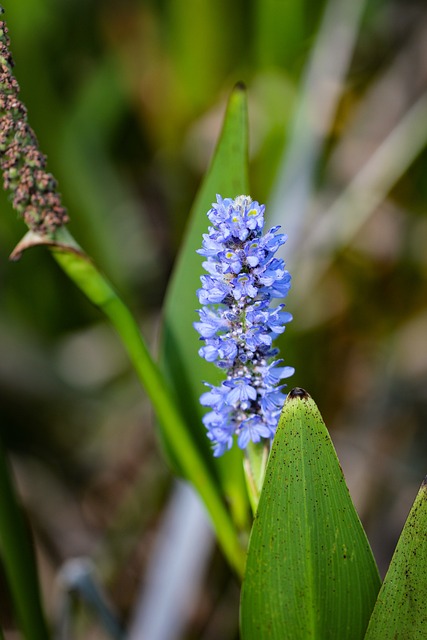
pixel 100 292
pixel 400 612
pixel 310 572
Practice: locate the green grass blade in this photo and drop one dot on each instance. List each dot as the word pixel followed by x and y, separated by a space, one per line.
pixel 198 62
pixel 100 292
pixel 186 371
pixel 310 573
pixel 400 612
pixel 280 32
pixel 17 556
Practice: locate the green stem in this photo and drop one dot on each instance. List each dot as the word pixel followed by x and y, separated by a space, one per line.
pixel 100 292
pixel 255 464
pixel 17 554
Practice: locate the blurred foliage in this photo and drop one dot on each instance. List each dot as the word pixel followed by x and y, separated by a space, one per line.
pixel 127 99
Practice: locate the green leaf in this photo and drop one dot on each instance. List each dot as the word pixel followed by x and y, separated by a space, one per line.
pixel 18 559
pixel 198 62
pixel 400 612
pixel 186 371
pixel 280 32
pixel 97 288
pixel 310 572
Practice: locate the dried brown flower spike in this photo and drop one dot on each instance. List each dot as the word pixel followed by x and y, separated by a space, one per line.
pixel 34 190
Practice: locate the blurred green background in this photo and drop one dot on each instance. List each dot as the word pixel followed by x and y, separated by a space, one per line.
pixel 127 100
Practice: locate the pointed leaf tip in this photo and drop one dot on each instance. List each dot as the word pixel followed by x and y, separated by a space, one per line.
pixel 400 611
pixel 240 86
pixel 310 572
pixel 298 392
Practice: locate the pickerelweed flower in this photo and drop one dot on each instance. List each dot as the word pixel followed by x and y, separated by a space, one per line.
pixel 238 323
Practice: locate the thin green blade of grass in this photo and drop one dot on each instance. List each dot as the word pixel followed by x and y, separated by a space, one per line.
pixel 400 612
pixel 193 28
pixel 310 573
pixel 185 370
pixel 280 32
pixel 17 556
pixel 100 292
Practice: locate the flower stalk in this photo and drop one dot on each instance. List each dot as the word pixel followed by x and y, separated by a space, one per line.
pixel 254 465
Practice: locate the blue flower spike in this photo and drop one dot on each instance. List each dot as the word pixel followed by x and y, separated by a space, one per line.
pixel 238 323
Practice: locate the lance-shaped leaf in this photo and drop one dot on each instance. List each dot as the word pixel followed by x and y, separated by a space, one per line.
pixel 310 573
pixel 228 176
pixel 400 612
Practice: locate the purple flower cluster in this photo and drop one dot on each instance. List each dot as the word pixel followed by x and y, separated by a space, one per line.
pixel 238 323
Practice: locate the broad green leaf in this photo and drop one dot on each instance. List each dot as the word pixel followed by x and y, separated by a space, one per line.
pixel 186 371
pixel 310 573
pixel 400 612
